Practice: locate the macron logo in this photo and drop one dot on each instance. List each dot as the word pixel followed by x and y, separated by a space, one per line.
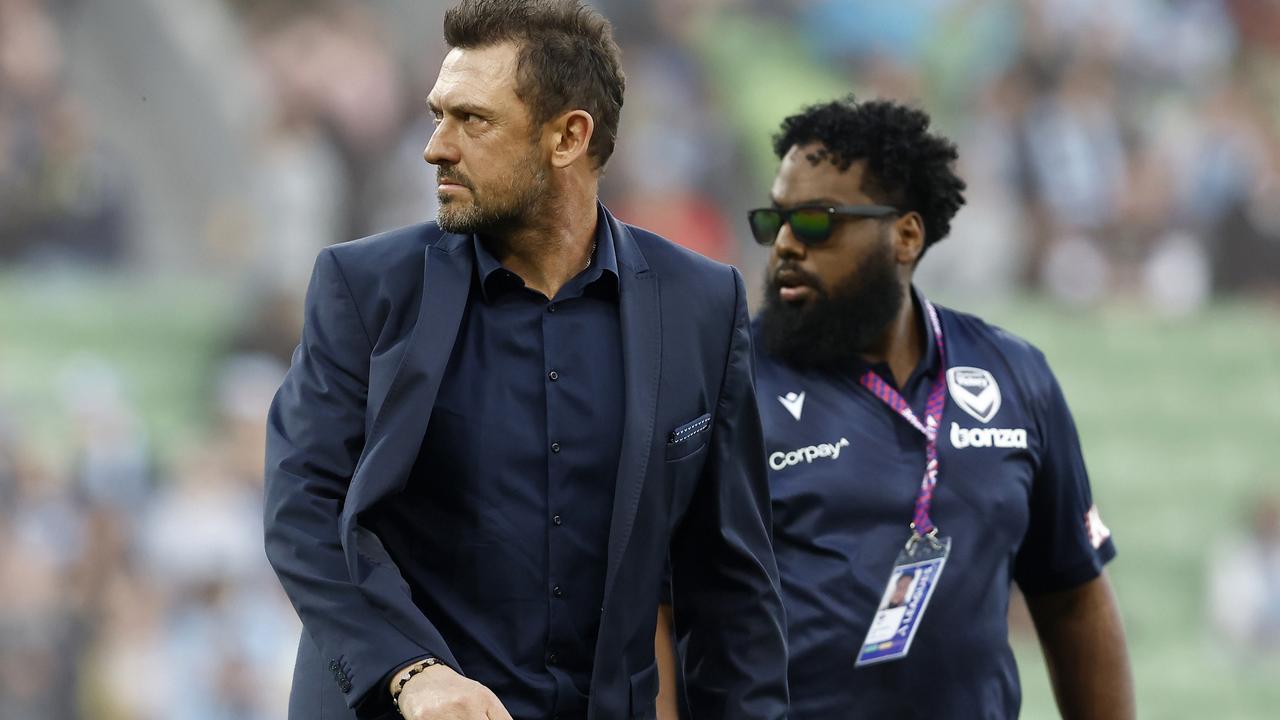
pixel 793 403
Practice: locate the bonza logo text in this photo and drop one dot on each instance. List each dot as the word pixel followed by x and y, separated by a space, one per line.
pixel 781 460
pixel 962 438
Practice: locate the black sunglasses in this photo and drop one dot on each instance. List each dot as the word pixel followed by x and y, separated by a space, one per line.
pixel 810 224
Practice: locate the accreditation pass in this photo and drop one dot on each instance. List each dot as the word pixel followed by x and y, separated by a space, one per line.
pixel 911 584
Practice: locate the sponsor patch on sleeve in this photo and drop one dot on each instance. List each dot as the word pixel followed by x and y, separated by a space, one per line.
pixel 1098 533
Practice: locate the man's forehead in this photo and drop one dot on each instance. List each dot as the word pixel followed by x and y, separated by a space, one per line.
pixel 475 74
pixel 800 178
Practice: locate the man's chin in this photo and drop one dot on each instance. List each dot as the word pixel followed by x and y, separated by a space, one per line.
pixel 792 311
pixel 796 309
pixel 454 219
pixel 784 318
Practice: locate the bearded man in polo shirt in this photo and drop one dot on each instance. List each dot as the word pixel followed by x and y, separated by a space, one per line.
pixel 907 438
pixel 850 352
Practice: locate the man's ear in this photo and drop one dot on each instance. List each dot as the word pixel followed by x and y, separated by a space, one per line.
pixel 570 137
pixel 908 238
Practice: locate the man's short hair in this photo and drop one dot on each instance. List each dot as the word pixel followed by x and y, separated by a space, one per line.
pixel 567 58
pixel 905 165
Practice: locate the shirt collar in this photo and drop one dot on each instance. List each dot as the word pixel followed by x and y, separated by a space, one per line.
pixel 932 358
pixel 602 273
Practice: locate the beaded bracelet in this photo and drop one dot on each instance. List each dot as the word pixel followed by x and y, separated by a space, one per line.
pixel 413 670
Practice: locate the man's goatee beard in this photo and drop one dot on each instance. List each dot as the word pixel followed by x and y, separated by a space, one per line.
pixel 504 209
pixel 462 221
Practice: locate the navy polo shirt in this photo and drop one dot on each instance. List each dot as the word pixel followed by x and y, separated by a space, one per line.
pixel 503 530
pixel 1012 493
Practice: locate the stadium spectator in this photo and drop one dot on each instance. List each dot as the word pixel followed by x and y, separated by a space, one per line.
pixel 1244 584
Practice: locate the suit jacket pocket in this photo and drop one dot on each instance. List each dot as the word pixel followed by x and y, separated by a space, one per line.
pixel 689 438
pixel 644 694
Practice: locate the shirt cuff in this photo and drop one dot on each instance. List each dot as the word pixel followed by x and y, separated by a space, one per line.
pixel 1071 577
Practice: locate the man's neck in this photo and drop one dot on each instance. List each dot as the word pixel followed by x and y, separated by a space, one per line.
pixel 555 248
pixel 902 345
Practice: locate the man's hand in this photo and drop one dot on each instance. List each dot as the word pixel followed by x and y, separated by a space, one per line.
pixel 439 693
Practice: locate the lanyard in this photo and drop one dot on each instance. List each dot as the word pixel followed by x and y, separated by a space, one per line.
pixel 921 524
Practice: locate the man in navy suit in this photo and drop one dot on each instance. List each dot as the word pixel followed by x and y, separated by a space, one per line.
pixel 500 428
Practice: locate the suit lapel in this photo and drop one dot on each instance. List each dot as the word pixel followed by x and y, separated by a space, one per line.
pixel 640 322
pixel 401 422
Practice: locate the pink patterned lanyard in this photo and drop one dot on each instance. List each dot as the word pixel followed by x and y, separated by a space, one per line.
pixel 921 524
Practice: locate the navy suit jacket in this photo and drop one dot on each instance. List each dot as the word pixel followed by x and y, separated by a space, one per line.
pixel 348 422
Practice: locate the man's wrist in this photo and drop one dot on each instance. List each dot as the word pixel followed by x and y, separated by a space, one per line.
pixel 405 674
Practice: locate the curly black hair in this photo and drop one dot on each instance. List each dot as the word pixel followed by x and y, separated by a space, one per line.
pixel 906 166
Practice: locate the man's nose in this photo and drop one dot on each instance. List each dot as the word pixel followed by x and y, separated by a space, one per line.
pixel 440 149
pixel 785 245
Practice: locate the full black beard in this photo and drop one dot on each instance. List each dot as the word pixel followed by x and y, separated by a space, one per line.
pixel 834 330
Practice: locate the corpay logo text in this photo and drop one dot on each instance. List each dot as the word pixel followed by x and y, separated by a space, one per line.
pixel 780 460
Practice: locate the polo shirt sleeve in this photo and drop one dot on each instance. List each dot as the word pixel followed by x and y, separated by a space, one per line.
pixel 1066 543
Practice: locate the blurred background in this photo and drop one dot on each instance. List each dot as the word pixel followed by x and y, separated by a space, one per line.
pixel 169 169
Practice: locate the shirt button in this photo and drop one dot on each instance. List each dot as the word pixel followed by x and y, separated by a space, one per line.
pixel 552 658
pixel 557 591
pixel 556 520
pixel 553 375
pixel 551 308
pixel 555 447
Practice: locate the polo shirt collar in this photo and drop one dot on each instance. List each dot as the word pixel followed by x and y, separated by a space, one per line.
pixel 929 361
pixel 932 359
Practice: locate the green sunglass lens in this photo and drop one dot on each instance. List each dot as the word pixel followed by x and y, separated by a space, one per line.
pixel 765 225
pixel 811 226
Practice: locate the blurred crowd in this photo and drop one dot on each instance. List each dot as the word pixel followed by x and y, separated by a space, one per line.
pixel 135 589
pixel 61 198
pixel 1113 150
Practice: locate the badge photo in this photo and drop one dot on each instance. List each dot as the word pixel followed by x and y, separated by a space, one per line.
pixel 975 391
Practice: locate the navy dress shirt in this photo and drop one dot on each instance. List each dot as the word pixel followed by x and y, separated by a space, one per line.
pixel 503 529
pixel 1012 493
